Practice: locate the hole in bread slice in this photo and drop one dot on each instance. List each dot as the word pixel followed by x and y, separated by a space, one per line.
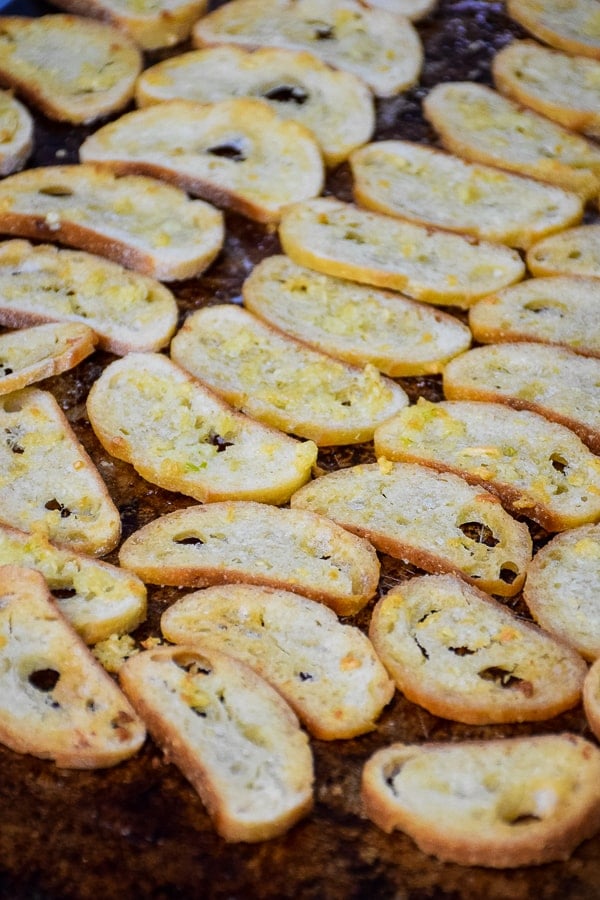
pixel 188 541
pixel 56 190
pixel 479 532
pixel 44 680
pixel 287 93
pixel 505 679
pixel 232 150
pixel 55 504
pixel 509 572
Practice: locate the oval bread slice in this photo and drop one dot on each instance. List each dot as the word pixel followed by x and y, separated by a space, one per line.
pixel 538 468
pixel 56 701
pixel 327 672
pixel 481 125
pixel 412 9
pixel 562 590
pixel 294 550
pixel 94 78
pixel 16 134
pixel 282 382
pixel 343 240
pixel 176 433
pixel 230 733
pixel 437 522
pixel 237 153
pixel 49 483
pixel 554 310
pixel 499 803
pixel 463 656
pixel 32 354
pixel 574 251
pixel 136 221
pixel 353 322
pixel 381 48
pixel 423 185
pixel 336 106
pixel 591 698
pixel 571 26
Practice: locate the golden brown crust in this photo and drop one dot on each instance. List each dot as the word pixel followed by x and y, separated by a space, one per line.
pixel 32 354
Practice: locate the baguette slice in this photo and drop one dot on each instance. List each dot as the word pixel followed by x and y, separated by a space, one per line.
pixel 563 87
pixel 94 78
pixel 434 266
pixel 49 482
pixel 591 698
pixel 98 599
pixel 152 26
pixel 230 733
pixel 16 134
pixel 499 803
pixel 220 543
pixel 56 701
pixel 412 9
pixel 463 656
pixel 538 468
pixel 36 353
pixel 437 522
pixel 336 106
pixel 139 222
pixel 552 381
pixel 571 26
pixel 237 153
pixel 327 672
pixel 353 322
pixel 176 433
pixel 562 589
pixel 381 48
pixel 574 251
pixel 282 382
pixel 423 185
pixel 40 283
pixel 558 310
pixel 481 125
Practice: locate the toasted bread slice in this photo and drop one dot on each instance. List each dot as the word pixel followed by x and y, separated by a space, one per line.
pixel 499 803
pixel 234 738
pixel 49 483
pixel 178 434
pixel 562 589
pixel 94 78
pixel 237 153
pixel 392 505
pixel 136 221
pixel 336 106
pixel 327 672
pixel 16 134
pixel 571 252
pixel 538 468
pixel 463 656
pixel 56 702
pixel 343 240
pixel 353 322
pixel 289 549
pixel 591 697
pixel 563 87
pixel 412 9
pixel 481 125
pixel 280 381
pixel 558 310
pixel 33 354
pixel 552 381
pixel 381 48
pixel 128 311
pixel 571 26
pixel 423 185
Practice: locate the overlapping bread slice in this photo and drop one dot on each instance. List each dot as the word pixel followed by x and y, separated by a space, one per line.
pixel 343 240
pixel 327 672
pixel 32 354
pixel 336 106
pixel 424 185
pixel 234 738
pixel 435 521
pixel 280 381
pixel 481 125
pixel 237 153
pixel 412 9
pixel 48 482
pixel 381 48
pixel 139 222
pixel 56 701
pixel 554 310
pixel 538 468
pixel 97 598
pixel 499 803
pixel 571 26
pixel 95 76
pixel 591 698
pixel 178 434
pixel 570 252
pixel 351 321
pixel 127 310
pixel 16 134
pixel 254 543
